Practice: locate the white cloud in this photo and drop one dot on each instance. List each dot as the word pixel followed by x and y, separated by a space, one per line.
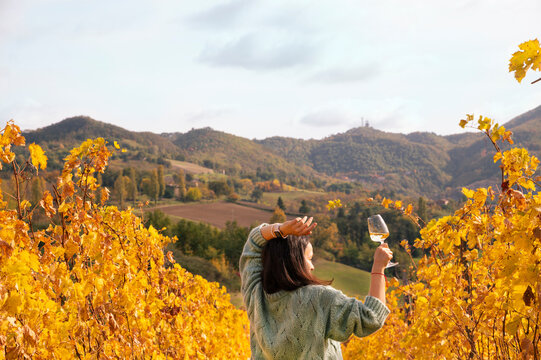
pixel 222 15
pixel 329 118
pixel 345 75
pixel 256 52
pixel 206 115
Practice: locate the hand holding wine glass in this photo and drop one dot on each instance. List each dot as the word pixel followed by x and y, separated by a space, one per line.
pixel 379 232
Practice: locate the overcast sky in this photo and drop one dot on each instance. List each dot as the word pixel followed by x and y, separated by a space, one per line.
pixel 304 69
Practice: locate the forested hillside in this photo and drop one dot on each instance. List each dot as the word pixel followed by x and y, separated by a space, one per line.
pixel 418 163
pixel 479 168
pixel 58 138
pixel 237 155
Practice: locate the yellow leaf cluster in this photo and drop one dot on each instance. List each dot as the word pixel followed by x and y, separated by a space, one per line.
pixel 476 293
pixel 398 205
pixel 333 204
pixel 519 166
pixel 94 284
pixel 495 131
pixel 11 136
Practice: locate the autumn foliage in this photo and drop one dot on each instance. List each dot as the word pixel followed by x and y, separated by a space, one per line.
pixel 477 292
pixel 95 283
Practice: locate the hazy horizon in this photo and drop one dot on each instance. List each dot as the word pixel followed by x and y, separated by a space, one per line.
pixel 467 130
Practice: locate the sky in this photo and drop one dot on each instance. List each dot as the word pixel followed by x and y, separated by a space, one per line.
pixel 256 69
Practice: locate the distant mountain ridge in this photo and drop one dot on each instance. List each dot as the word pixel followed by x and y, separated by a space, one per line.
pixel 423 162
pixel 80 128
pixel 417 163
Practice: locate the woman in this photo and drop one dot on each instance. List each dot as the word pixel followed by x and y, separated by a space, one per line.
pixel 294 315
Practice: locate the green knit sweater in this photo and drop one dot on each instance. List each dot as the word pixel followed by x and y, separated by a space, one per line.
pixel 307 323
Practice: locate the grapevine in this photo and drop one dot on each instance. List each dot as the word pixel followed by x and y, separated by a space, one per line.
pixel 95 283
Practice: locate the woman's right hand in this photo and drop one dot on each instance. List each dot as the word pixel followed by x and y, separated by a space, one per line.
pixel 298 226
pixel 382 256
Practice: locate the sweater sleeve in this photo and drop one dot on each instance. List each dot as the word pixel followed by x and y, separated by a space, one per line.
pixel 250 264
pixel 348 316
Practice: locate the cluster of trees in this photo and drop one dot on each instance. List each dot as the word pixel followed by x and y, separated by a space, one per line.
pixel 129 183
pixel 204 249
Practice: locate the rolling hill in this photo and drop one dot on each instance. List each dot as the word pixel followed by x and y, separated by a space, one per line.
pixel 419 163
pixel 422 163
pixel 57 139
pixel 236 155
pixel 79 128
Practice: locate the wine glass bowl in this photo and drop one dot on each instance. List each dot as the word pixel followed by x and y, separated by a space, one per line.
pixel 379 232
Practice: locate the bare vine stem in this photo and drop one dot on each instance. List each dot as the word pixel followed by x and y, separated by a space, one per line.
pixel 18 197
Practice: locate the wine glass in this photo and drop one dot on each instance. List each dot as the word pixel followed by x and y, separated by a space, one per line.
pixel 379 232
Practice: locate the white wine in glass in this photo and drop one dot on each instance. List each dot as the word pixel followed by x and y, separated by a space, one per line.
pixel 379 232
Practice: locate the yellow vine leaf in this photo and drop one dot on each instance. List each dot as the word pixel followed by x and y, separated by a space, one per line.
pixel 409 209
pixel 469 193
pixel 529 56
pixel 386 202
pixel 484 123
pixel 47 204
pixel 104 195
pixel 63 207
pixel 38 156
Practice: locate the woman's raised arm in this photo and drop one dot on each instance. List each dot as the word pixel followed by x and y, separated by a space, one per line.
pixel 297 227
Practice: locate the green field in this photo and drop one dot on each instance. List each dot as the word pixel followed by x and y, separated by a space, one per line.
pixel 351 281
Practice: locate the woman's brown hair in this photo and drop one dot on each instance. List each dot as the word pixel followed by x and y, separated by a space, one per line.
pixel 284 267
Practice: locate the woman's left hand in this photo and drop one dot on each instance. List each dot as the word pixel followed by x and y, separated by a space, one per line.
pixel 298 226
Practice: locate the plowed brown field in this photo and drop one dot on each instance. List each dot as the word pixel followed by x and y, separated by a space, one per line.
pixel 218 213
